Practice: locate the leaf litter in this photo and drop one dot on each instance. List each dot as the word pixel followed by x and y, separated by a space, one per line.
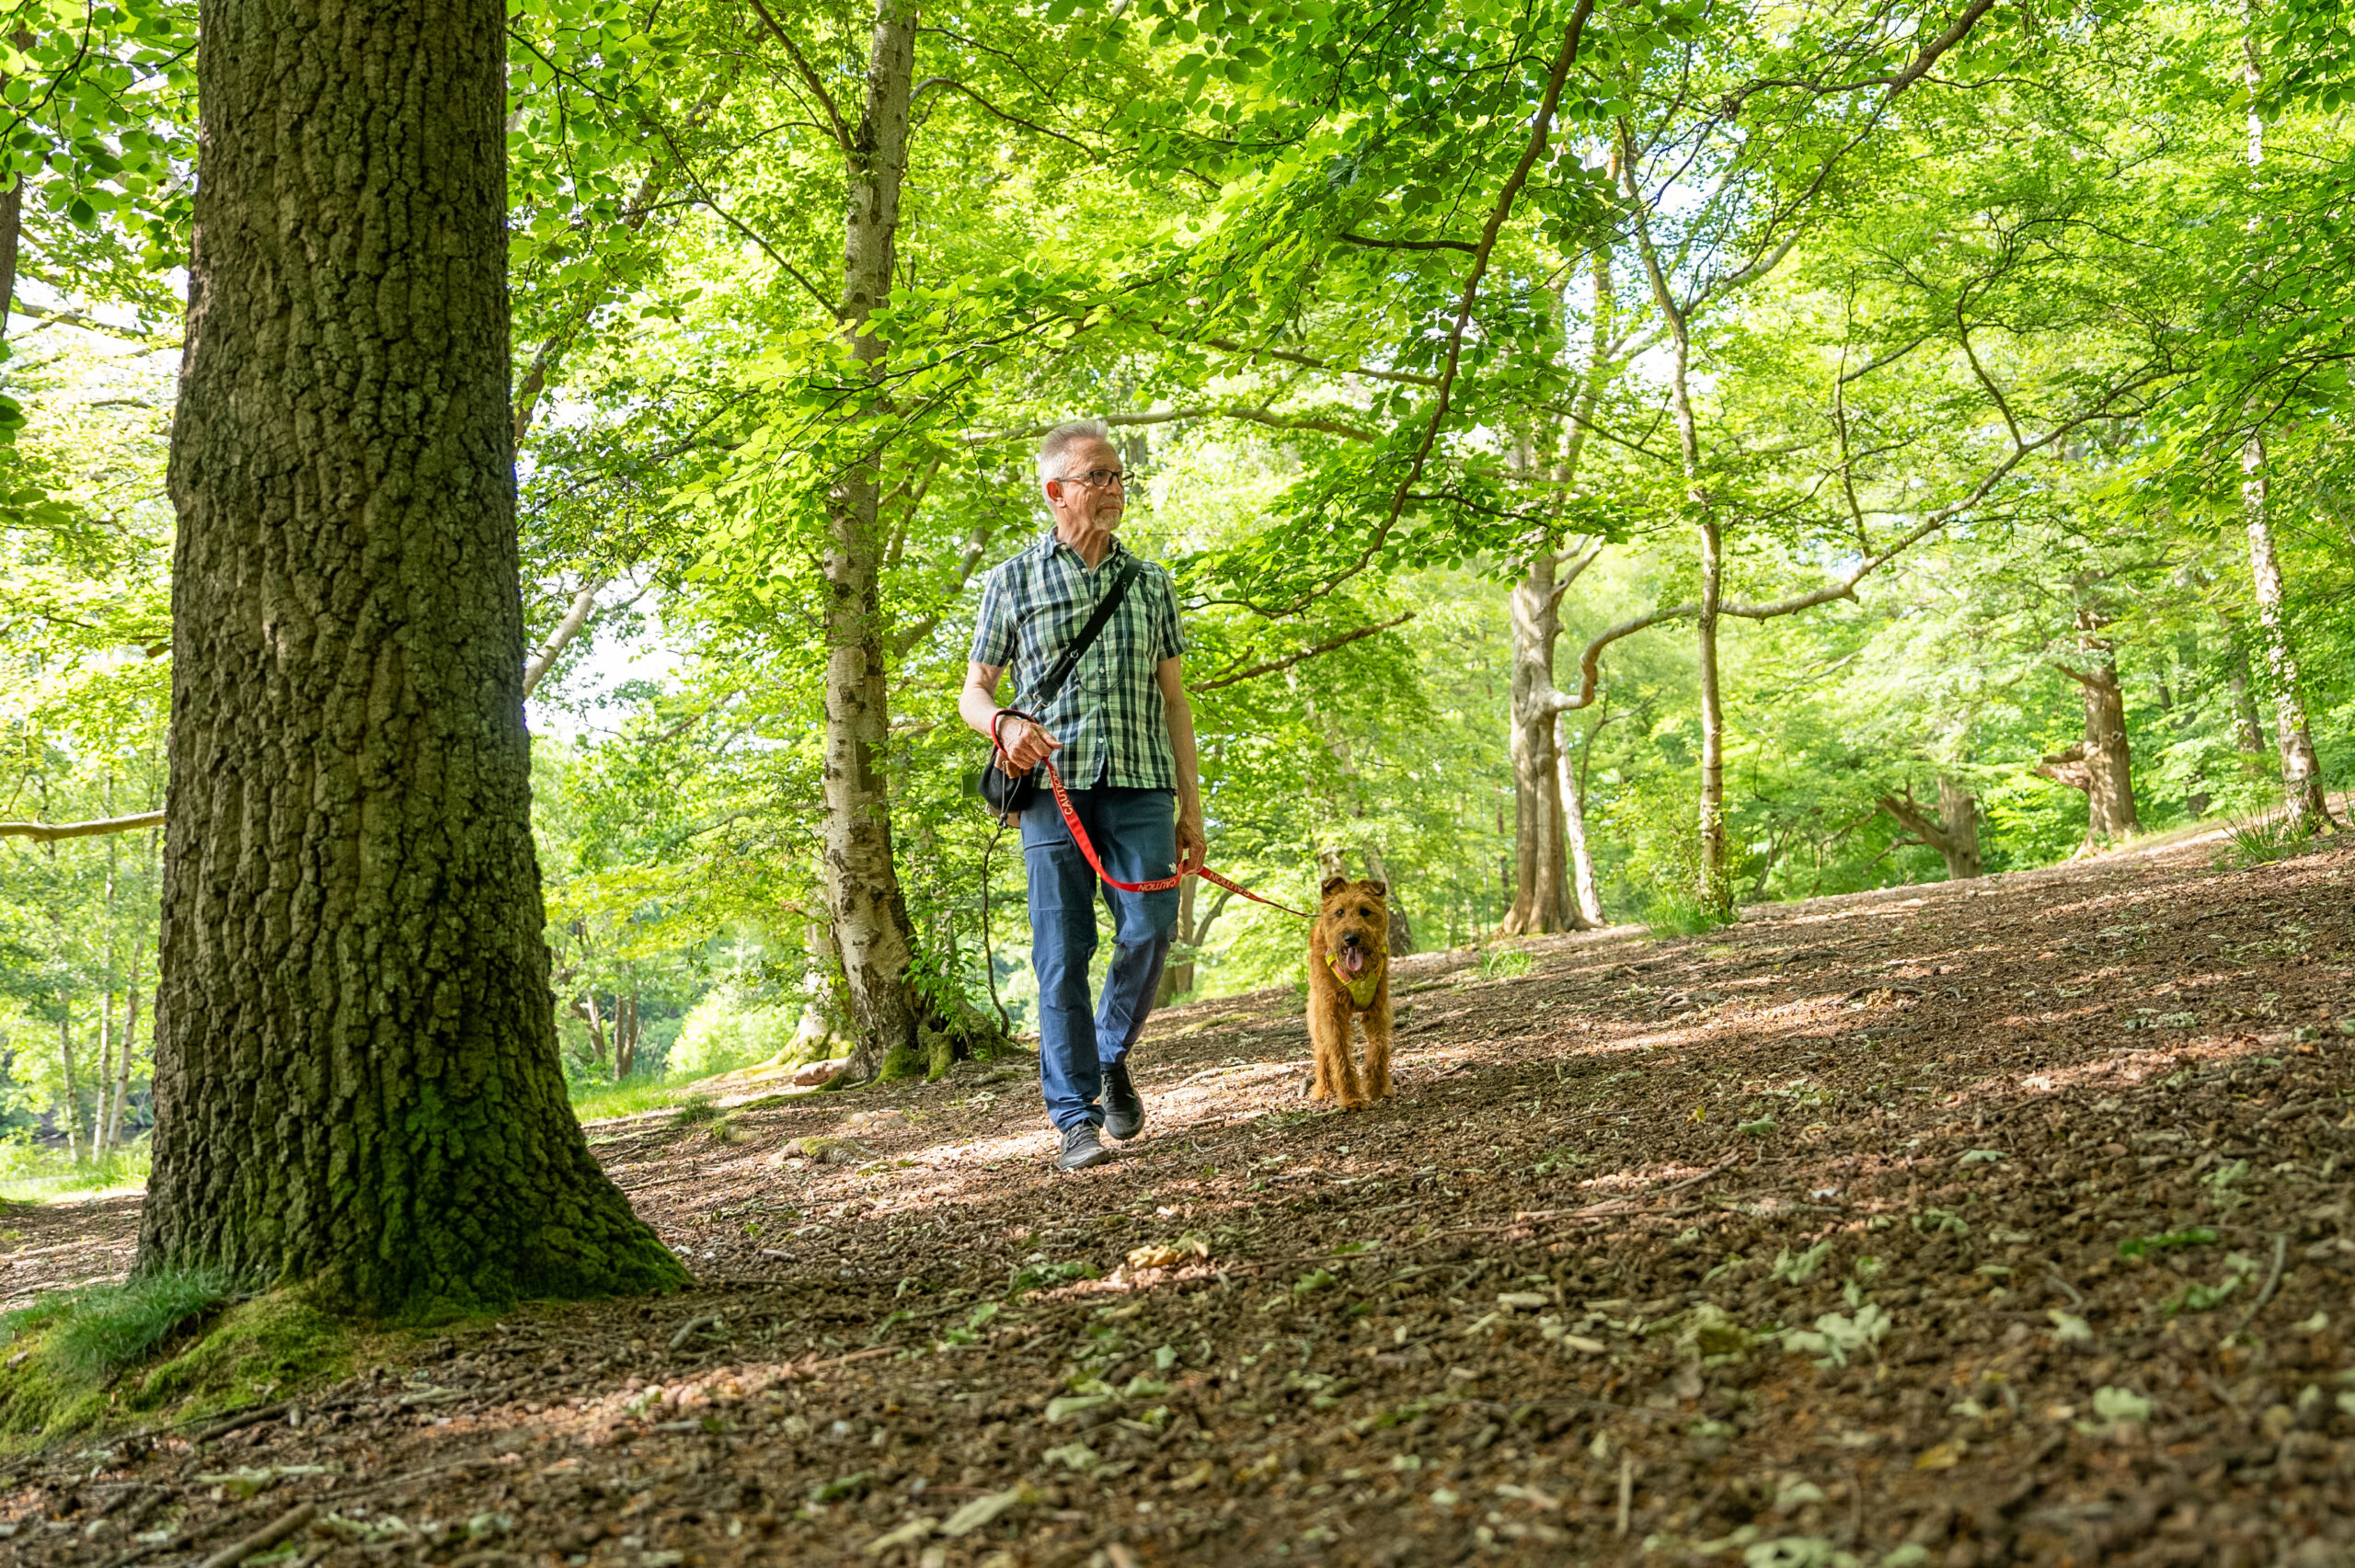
pixel 1916 1246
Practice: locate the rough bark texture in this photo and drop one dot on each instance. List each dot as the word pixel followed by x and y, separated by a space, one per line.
pixel 356 1075
pixel 2300 769
pixel 871 929
pixel 1953 832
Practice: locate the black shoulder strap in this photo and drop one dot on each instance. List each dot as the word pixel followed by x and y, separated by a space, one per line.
pixel 1052 684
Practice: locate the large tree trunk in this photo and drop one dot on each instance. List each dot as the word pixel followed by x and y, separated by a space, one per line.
pixel 871 928
pixel 2300 769
pixel 356 1077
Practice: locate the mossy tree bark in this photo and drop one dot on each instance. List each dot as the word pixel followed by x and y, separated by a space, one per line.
pixel 356 1076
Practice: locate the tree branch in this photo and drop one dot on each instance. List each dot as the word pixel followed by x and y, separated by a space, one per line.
pixel 1304 655
pixel 1464 245
pixel 843 137
pixel 993 109
pixel 45 832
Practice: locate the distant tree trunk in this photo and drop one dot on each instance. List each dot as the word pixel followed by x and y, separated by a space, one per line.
pixel 357 1083
pixel 626 1037
pixel 71 1117
pixel 2248 733
pixel 105 1076
pixel 1715 888
pixel 1958 809
pixel 1953 832
pixel 1401 935
pixel 106 1004
pixel 1573 766
pixel 2300 770
pixel 586 1009
pixel 2102 764
pixel 1193 930
pixel 1178 974
pixel 1541 865
pixel 130 1040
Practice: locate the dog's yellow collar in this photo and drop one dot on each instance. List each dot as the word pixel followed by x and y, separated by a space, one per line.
pixel 1361 990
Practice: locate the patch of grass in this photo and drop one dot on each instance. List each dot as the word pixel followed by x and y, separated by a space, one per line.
pixel 1675 912
pixel 2261 841
pixel 697 1111
pixel 32 1173
pixel 1505 963
pixel 602 1101
pixel 90 1335
pixel 92 1358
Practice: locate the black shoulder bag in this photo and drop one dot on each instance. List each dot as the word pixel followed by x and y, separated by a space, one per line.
pixel 1005 795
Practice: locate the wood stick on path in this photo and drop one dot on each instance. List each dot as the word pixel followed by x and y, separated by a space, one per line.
pixel 270 1535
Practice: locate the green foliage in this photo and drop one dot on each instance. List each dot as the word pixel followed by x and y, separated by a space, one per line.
pixel 31 1172
pixel 2144 1246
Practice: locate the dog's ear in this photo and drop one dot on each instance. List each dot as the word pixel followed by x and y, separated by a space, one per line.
pixel 1334 884
pixel 1379 889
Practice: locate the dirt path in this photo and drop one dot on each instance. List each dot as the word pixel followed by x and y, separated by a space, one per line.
pixel 1991 1222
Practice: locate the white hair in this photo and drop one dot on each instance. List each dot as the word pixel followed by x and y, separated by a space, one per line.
pixel 1062 439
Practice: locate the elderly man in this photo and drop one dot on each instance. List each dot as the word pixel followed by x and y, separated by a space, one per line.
pixel 1122 738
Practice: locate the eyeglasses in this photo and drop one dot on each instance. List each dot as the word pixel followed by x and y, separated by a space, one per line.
pixel 1098 479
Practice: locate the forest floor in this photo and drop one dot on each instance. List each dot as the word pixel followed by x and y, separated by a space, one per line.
pixel 1963 1224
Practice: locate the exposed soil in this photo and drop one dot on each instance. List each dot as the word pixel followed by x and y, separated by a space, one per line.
pixel 1982 1222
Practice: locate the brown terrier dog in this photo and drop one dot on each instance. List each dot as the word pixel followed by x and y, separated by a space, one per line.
pixel 1348 977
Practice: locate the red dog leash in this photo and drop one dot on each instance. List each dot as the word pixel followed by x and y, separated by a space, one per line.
pixel 1079 835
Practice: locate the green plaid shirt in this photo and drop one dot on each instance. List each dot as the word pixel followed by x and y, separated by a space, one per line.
pixel 1110 714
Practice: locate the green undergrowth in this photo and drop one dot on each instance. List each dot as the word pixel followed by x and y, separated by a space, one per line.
pixel 32 1173
pixel 164 1350
pixel 596 1103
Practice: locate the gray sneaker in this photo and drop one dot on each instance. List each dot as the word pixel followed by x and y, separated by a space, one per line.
pixel 1123 1111
pixel 1081 1148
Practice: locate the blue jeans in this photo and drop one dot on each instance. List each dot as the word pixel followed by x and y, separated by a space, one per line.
pixel 1135 834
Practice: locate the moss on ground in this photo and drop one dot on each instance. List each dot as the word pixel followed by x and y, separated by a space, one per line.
pixel 249 1353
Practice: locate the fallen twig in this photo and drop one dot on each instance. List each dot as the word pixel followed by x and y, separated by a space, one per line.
pixel 2272 1279
pixel 270 1535
pixel 687 1329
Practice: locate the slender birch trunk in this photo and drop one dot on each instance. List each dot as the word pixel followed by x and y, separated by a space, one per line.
pixel 872 932
pixel 2301 768
pixel 1573 787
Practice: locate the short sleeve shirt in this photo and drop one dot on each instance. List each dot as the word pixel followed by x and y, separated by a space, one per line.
pixel 1108 715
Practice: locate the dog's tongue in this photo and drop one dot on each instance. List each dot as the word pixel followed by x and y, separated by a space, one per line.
pixel 1353 960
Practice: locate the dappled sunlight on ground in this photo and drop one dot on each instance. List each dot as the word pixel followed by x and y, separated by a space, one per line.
pixel 1987 1222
